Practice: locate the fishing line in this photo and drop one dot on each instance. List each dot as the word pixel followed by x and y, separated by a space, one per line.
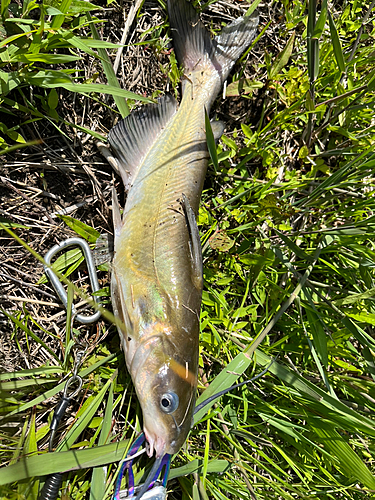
pixel 154 473
pixel 127 463
pixel 225 391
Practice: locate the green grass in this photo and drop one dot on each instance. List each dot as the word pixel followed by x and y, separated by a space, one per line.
pixel 287 223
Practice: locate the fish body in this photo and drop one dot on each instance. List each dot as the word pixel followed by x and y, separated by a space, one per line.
pixel 157 267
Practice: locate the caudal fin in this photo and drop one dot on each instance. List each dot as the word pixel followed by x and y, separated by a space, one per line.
pixel 194 47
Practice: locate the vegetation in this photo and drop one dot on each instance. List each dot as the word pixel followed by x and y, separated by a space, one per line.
pixel 287 223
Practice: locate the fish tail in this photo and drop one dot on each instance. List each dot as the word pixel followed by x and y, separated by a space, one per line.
pixel 197 51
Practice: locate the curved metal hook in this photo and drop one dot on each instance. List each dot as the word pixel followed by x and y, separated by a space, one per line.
pixel 57 285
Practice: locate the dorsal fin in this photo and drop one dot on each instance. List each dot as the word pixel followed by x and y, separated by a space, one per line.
pixel 133 137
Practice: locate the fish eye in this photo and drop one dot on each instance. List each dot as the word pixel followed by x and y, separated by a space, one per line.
pixel 169 402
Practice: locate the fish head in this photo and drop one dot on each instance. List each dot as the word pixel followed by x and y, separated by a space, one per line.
pixel 165 385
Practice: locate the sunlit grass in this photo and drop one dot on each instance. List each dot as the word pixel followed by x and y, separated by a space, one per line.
pixel 287 225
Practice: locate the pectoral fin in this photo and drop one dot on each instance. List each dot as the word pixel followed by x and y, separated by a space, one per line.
pixel 116 214
pixel 195 244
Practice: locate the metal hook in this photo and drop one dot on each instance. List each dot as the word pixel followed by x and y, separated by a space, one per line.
pixel 57 285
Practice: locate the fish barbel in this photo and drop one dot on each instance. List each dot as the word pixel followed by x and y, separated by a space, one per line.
pixel 157 275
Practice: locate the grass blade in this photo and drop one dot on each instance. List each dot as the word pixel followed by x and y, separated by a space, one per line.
pixel 283 58
pixel 85 418
pixel 99 474
pixel 349 460
pixel 337 49
pixel 120 101
pixel 211 142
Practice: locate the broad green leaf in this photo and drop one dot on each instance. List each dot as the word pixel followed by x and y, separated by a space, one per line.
pixel 256 260
pixel 252 7
pixel 362 317
pixel 295 248
pixel 13 225
pixel 85 44
pixel 9 40
pixel 87 232
pixel 81 6
pixel 63 6
pixel 44 370
pixel 244 85
pixel 355 297
pixel 358 333
pixel 4 7
pixel 217 466
pixel 86 88
pixel 320 23
pixel 49 463
pixel 44 58
pixel 221 241
pixel 20 443
pixel 67 262
pixel 283 58
pixel 225 379
pixel 369 360
pixel 30 490
pixel 31 447
pixel 15 385
pixel 53 99
pixel 52 11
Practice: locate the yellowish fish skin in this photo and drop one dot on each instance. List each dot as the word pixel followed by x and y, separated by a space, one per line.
pixel 156 276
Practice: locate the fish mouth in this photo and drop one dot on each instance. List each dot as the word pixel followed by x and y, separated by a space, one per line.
pixel 155 443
